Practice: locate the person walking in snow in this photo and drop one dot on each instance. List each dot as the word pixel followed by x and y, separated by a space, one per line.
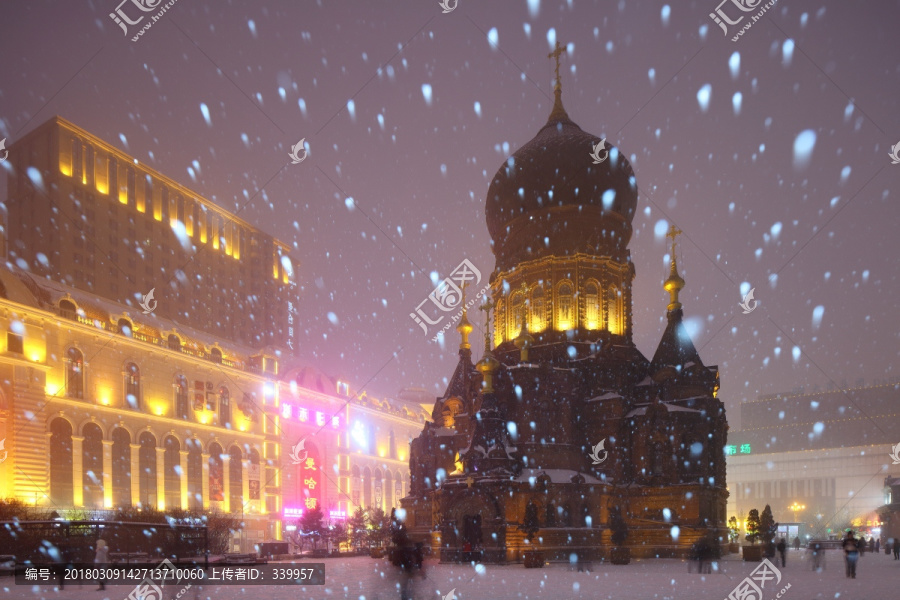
pixel 796 542
pixel 781 547
pixel 877 545
pixel 101 558
pixel 851 553
pixel 896 549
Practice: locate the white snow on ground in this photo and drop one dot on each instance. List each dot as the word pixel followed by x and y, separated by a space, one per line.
pixel 362 578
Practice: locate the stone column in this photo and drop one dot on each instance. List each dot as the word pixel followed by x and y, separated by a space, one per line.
pixel 107 474
pixel 226 483
pixel 183 454
pixel 161 478
pixel 204 458
pixel 135 474
pixel 245 482
pixel 77 471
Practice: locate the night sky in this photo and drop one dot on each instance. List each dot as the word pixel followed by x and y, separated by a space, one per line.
pixel 391 196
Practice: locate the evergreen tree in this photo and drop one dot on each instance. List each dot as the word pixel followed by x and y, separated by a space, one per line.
pixel 530 522
pixel 618 526
pixel 357 528
pixel 753 526
pixel 311 524
pixel 768 528
pixel 379 526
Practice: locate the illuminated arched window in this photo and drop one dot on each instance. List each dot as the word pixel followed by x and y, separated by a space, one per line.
pixel 592 313
pixel 181 396
pixel 61 488
pixel 536 323
pixel 147 488
pixel 565 307
pixel 172 476
pixel 516 314
pixel 92 465
pixel 224 406
pixel 499 323
pixel 74 373
pixel 614 304
pixel 132 386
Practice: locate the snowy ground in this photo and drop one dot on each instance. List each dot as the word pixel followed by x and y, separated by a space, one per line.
pixel 363 578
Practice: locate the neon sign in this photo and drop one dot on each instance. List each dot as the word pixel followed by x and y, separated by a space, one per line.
pixel 302 414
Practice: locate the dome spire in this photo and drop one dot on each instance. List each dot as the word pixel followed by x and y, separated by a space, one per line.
pixel 464 328
pixel 558 113
pixel 674 283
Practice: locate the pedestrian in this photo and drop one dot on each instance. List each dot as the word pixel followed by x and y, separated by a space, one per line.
pixel 862 546
pixel 818 557
pixel 796 542
pixel 781 547
pixel 896 549
pixel 877 545
pixel 101 558
pixel 851 553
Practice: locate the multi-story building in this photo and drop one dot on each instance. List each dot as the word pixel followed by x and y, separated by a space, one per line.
pixel 84 213
pixel 104 407
pixel 818 458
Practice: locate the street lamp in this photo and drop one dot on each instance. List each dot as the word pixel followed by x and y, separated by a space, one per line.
pixel 796 508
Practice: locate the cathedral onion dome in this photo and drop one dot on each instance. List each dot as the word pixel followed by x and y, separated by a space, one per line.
pixel 549 198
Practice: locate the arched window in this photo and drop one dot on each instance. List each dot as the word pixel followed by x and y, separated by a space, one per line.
pixel 172 472
pixel 224 407
pixel 92 465
pixel 181 397
pixel 195 474
pixel 215 355
pixel 216 473
pixel 367 487
pixel 67 310
pixel 74 373
pixel 379 489
pixel 388 491
pixel 61 488
pixel 499 323
pixel 592 312
pixel 614 307
pixel 536 324
pixel 132 386
pixel 392 445
pixel 565 312
pixel 516 314
pixel 125 327
pixel 121 467
pixel 174 342
pixel 147 465
pixel 235 479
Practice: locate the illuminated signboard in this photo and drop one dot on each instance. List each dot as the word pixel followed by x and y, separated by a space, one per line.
pixel 302 414
pixel 731 450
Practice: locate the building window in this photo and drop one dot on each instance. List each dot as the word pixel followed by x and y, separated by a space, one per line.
pixel 67 310
pixel 592 306
pixel 224 407
pixel 195 474
pixel 516 314
pixel 536 324
pixel 147 465
pixel 565 314
pixel 174 342
pixel 132 386
pixel 235 479
pixel 614 308
pixel 92 465
pixel 499 323
pixel 61 488
pixel 15 343
pixel 124 326
pixel 215 355
pixel 172 474
pixel 121 467
pixel 74 373
pixel 181 396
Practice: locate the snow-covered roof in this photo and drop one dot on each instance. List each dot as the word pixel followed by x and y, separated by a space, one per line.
pixel 606 396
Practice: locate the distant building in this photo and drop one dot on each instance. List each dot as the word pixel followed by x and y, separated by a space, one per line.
pixel 825 451
pixel 84 213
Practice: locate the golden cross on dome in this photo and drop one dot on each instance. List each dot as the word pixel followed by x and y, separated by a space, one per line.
pixel 673 233
pixel 556 54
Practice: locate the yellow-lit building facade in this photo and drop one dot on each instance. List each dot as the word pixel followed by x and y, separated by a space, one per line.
pixel 103 407
pixel 84 213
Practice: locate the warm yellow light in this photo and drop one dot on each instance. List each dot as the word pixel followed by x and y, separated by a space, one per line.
pixel 158 407
pixel 123 196
pixel 564 325
pixel 102 187
pixel 84 178
pixel 381 452
pixel 35 349
pixel 204 418
pixel 65 169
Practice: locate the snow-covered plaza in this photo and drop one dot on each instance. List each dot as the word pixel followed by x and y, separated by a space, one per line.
pixel 362 578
